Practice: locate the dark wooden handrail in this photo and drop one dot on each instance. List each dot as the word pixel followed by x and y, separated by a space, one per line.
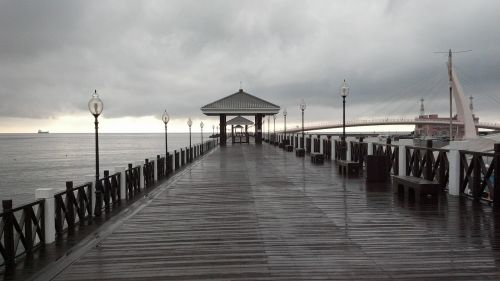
pixel 70 209
pixel 26 230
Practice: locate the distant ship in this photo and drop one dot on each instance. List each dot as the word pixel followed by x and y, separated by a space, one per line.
pixel 43 132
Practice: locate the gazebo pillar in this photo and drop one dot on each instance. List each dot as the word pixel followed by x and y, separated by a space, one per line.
pixel 222 129
pixel 246 134
pixel 258 128
pixel 232 133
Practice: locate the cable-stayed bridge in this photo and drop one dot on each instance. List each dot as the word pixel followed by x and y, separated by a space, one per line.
pixel 388 121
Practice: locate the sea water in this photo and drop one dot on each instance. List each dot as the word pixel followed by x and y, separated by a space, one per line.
pixel 31 161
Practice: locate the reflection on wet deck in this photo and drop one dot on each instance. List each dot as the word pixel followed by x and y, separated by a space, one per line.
pixel 248 212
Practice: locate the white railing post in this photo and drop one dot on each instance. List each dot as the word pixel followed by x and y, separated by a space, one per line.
pixel 333 147
pixel 402 155
pixel 348 153
pixel 123 183
pixel 49 212
pixel 321 148
pixel 141 174
pixel 454 173
pixel 155 165
pixel 370 148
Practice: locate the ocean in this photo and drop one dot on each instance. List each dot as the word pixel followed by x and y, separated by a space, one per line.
pixel 31 161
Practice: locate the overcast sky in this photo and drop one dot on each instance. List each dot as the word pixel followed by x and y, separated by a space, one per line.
pixel 147 56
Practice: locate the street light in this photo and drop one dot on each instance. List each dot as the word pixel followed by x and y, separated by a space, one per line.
pixel 344 92
pixel 303 107
pixel 95 107
pixel 213 131
pixel 201 126
pixel 190 122
pixel 284 115
pixel 165 118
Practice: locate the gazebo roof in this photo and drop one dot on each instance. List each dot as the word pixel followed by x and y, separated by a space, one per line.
pixel 238 120
pixel 240 103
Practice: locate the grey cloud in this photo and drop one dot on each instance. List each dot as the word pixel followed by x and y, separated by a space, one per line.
pixel 145 56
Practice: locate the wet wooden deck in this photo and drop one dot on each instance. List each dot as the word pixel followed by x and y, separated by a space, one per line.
pixel 249 212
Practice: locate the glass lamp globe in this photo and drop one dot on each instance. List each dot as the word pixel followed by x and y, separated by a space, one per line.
pixel 95 104
pixel 201 124
pixel 165 118
pixel 344 90
pixel 303 105
pixel 284 112
pixel 190 122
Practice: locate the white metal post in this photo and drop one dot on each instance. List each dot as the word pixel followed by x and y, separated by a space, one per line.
pixel 155 165
pixel 454 174
pixel 48 212
pixel 348 156
pixel 141 173
pixel 370 148
pixel 402 155
pixel 333 147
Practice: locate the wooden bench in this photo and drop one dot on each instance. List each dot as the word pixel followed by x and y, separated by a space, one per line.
pixel 317 158
pixel 403 184
pixel 348 167
pixel 300 152
pixel 289 148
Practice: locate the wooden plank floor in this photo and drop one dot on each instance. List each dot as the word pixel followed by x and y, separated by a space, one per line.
pixel 250 212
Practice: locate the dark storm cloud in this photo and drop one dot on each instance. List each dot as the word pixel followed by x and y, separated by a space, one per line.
pixel 143 56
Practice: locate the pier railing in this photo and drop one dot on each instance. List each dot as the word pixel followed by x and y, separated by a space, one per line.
pixel 149 173
pixel 340 150
pixel 21 230
pixel 111 189
pixel 327 148
pixel 132 181
pixel 478 172
pixel 73 205
pixel 25 228
pixel 428 163
pixel 161 167
pixel 359 150
pixel 391 152
pixel 460 172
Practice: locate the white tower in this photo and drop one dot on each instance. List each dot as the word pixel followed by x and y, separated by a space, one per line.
pixel 464 113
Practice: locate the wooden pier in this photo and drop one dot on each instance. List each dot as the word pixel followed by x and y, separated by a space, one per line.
pixel 257 212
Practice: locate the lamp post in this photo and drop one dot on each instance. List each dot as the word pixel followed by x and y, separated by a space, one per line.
pixel 190 123
pixel 201 126
pixel 165 118
pixel 95 107
pixel 303 107
pixel 213 131
pixel 344 92
pixel 284 116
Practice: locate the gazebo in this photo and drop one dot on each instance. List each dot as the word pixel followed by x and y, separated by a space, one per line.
pixel 237 123
pixel 240 104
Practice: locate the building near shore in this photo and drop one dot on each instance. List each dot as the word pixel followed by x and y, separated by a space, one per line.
pixel 440 130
